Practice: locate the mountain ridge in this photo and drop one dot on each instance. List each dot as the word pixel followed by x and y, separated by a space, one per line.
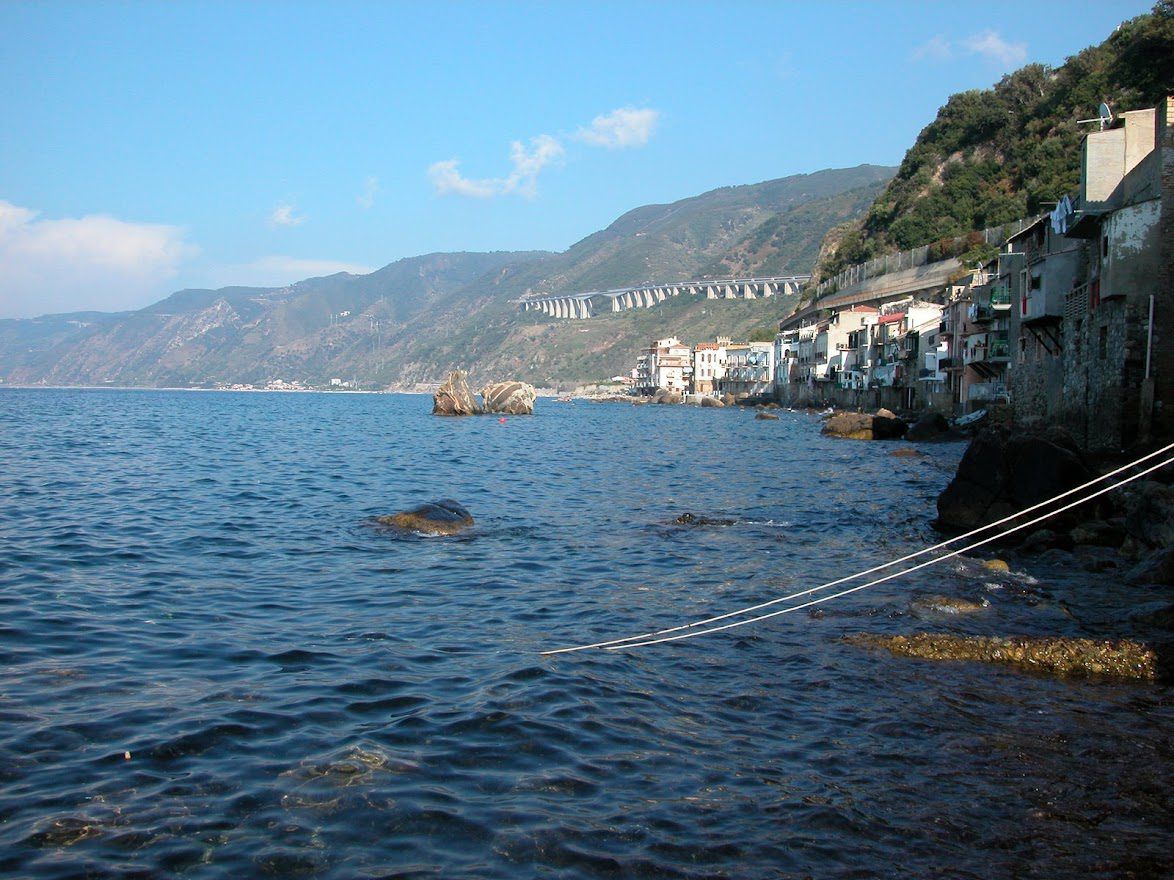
pixel 415 318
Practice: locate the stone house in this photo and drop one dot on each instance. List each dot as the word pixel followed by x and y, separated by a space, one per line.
pixel 1117 328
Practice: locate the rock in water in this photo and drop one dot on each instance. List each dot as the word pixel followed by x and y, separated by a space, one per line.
pixel 454 398
pixel 851 426
pixel 765 416
pixel 1059 656
pixel 1001 474
pixel 511 398
pixel 711 402
pixel 931 426
pixel 445 517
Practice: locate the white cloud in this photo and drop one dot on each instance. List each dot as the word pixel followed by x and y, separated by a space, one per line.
pixel 277 270
pixel 283 215
pixel 523 179
pixel 994 48
pixel 626 127
pixel 88 263
pixel 937 48
pixel 987 44
pixel 366 199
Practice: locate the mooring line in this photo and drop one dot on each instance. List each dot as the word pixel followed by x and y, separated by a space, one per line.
pixel 651 638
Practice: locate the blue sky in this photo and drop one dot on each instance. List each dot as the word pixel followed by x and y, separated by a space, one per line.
pixel 148 147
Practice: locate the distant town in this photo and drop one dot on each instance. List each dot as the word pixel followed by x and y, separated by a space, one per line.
pixel 1058 328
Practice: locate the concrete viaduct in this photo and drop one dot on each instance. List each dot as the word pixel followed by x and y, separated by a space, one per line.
pixel 581 306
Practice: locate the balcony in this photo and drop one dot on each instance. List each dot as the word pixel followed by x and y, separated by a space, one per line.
pixel 987 391
pixel 1000 297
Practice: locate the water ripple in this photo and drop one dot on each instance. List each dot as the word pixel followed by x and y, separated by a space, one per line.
pixel 212 663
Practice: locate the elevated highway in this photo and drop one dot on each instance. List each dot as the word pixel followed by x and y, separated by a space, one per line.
pixel 580 306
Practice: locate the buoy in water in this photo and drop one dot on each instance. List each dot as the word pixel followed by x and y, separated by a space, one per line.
pixel 502 420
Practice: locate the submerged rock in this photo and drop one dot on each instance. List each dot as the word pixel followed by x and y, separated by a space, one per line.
pixel 767 417
pixel 511 398
pixel 445 517
pixel 454 398
pixel 1059 656
pixel 946 605
pixel 689 519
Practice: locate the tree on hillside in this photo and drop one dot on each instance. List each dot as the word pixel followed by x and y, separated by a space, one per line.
pixel 994 155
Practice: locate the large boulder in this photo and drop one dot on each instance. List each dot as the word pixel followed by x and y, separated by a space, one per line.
pixel 511 398
pixel 666 395
pixel 445 517
pixel 711 401
pixel 849 425
pixel 930 427
pixel 1149 513
pixel 882 425
pixel 1001 474
pixel 454 398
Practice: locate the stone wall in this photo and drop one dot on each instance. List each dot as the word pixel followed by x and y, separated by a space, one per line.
pixel 1037 382
pixel 824 394
pixel 1162 353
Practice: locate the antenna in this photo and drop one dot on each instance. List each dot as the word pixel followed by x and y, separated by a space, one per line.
pixel 1104 116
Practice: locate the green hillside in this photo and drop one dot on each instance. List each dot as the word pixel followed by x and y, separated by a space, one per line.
pixel 996 155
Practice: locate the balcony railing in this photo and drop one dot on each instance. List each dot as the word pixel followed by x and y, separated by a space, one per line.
pixel 1001 297
pixel 985 391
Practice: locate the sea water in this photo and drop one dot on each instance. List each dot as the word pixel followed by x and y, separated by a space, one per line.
pixel 214 663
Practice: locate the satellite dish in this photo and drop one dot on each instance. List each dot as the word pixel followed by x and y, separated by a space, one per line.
pixel 1104 117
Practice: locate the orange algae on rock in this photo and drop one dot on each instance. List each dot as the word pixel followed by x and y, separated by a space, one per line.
pixel 1058 656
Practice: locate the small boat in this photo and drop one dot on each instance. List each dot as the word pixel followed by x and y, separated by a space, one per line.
pixel 971 419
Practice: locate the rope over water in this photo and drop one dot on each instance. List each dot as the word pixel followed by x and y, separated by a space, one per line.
pixel 692 630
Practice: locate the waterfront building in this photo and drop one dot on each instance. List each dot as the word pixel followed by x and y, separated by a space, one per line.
pixel 1117 328
pixel 786 348
pixel 667 363
pixel 749 370
pixel 709 365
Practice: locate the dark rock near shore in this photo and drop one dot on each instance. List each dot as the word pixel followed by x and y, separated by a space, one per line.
pixel 511 398
pixel 454 398
pixel 1098 533
pixel 1044 539
pixel 1059 656
pixel 931 427
pixel 1002 473
pixel 445 517
pixel 765 416
pixel 1157 568
pixel 1149 513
